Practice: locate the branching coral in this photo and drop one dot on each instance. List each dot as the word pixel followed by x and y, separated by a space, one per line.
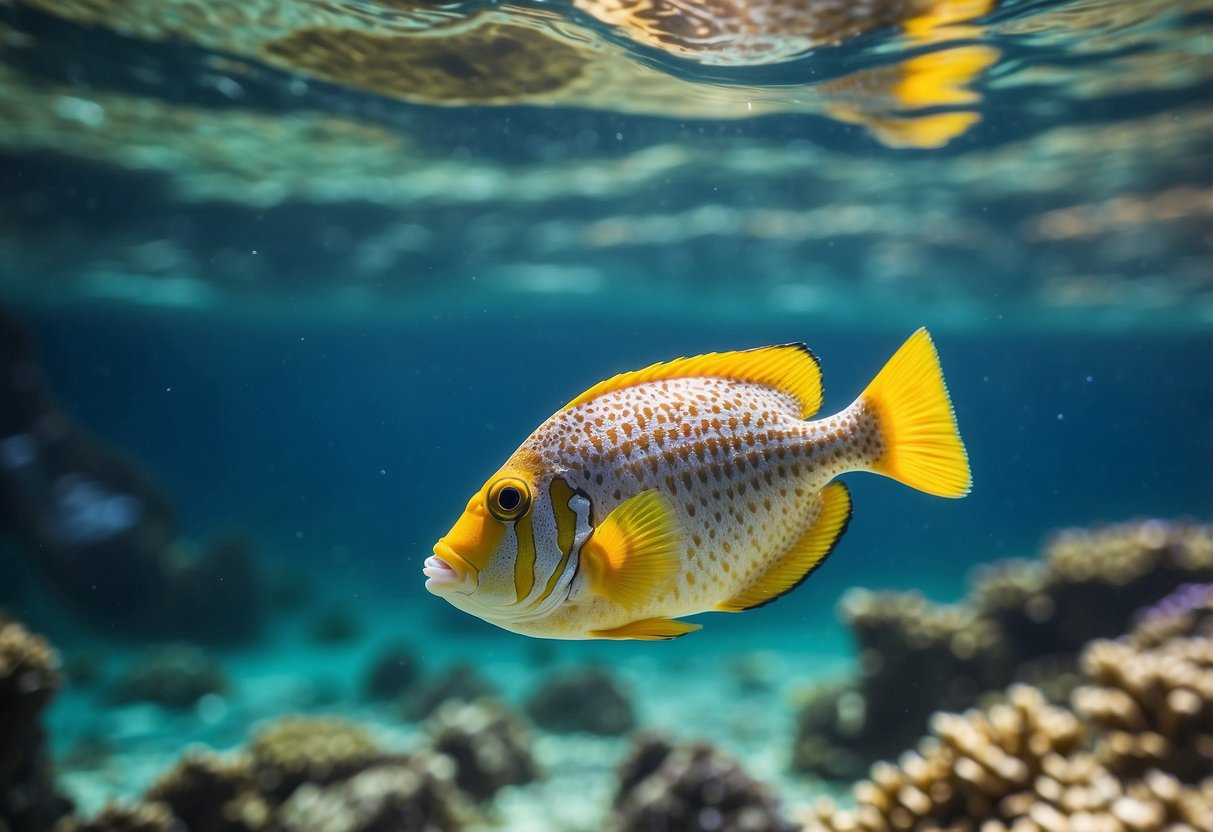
pixel 691 788
pixel 1025 621
pixel 1151 693
pixel 1018 766
pixel 490 746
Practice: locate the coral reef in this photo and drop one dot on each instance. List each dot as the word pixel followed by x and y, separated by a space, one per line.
pixel 172 675
pixel 393 671
pixel 133 817
pixel 458 683
pixel 690 788
pixel 1019 765
pixel 1024 621
pixel 318 750
pixel 418 797
pixel 209 793
pixel 490 746
pixel 29 677
pixel 1150 693
pixel 582 699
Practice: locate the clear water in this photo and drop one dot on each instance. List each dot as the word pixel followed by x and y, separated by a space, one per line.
pixel 318 268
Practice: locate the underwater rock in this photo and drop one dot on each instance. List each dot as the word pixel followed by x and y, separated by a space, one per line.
pixel 690 788
pixel 584 699
pixel 84 668
pixel 416 795
pixel 319 750
pixel 29 677
pixel 209 793
pixel 1024 621
pixel 135 817
pixel 458 683
pixel 174 675
pixel 392 672
pixel 334 625
pixel 1019 765
pixel 98 529
pixel 490 746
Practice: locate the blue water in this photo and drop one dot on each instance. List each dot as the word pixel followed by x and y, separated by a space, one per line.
pixel 316 269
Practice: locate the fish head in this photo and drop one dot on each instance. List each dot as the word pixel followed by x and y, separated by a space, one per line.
pixel 464 558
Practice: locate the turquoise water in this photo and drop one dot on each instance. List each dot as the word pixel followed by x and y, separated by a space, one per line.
pixel 302 275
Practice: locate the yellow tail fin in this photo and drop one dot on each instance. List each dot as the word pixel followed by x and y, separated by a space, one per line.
pixel 923 448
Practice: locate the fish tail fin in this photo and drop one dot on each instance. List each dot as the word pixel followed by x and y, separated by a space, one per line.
pixel 921 445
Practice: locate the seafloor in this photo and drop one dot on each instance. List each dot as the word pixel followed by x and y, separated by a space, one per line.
pixel 1087 675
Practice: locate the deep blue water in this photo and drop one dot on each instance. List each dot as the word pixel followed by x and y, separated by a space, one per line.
pixel 347 449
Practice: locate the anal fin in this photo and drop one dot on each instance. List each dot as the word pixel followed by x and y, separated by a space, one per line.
pixel 805 555
pixel 648 629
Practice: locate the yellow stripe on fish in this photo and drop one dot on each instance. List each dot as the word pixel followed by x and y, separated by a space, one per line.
pixel 686 487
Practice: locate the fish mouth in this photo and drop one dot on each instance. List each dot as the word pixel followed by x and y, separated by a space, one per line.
pixel 443 570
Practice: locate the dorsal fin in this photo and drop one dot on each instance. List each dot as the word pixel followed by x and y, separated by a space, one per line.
pixel 788 368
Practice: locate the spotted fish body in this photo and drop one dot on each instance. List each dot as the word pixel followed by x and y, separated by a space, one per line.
pixel 687 487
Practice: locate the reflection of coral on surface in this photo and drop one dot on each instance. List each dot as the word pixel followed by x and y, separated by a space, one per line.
pixel 1024 621
pixel 584 699
pixel 29 677
pixel 691 788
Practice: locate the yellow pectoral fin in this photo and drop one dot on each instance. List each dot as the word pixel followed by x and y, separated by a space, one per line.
pixel 806 554
pixel 650 629
pixel 632 557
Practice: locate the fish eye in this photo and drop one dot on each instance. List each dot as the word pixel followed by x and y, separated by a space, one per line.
pixel 509 498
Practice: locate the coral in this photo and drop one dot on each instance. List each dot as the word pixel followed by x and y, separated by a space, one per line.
pixel 317 750
pixel 392 672
pixel 690 788
pixel 209 793
pixel 175 676
pixel 1185 613
pixel 1024 621
pixel 583 699
pixel 29 677
pixel 460 683
pixel 490 746
pixel 416 796
pixel 1019 765
pixel 136 817
pixel 1150 693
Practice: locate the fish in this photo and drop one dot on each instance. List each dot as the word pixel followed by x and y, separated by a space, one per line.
pixel 695 485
